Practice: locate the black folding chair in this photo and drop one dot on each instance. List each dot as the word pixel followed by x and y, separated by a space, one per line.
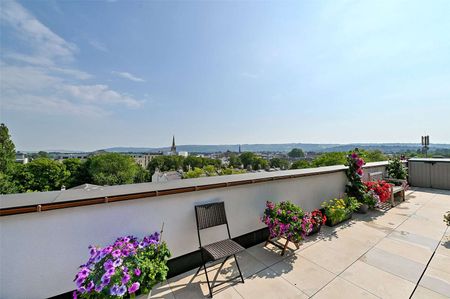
pixel 210 215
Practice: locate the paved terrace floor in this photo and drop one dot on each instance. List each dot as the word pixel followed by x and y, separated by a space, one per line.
pixel 403 252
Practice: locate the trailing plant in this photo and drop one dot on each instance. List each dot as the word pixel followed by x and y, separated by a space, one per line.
pixel 381 188
pixel 396 169
pixel 123 268
pixel 355 187
pixel 338 209
pixel 285 219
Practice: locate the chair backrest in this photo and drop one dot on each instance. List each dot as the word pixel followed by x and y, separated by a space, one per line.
pixel 211 214
pixel 375 176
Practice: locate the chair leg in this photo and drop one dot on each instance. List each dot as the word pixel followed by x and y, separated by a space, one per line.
pixel 207 281
pixel 239 269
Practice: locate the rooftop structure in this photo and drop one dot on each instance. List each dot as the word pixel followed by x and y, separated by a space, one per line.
pixel 387 253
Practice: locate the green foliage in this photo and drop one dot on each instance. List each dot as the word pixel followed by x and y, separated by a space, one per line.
pixel 235 161
pixel 296 153
pixel 153 264
pixel 194 173
pixel 165 163
pixel 338 209
pixel 8 184
pixel 7 149
pixel 142 175
pixel 355 186
pixel 210 170
pixel 396 169
pixel 228 171
pixel 301 164
pixel 112 169
pixel 43 174
pixel 447 218
pixel 247 159
pixel 329 159
pixel 78 172
pixel 279 163
pixel 373 156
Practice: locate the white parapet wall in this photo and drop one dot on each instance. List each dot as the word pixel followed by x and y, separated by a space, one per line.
pixel 40 252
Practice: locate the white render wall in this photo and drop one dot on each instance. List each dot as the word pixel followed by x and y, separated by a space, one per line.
pixel 40 252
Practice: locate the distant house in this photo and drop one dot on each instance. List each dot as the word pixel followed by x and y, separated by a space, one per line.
pixel 143 159
pixel 167 176
pixel 21 158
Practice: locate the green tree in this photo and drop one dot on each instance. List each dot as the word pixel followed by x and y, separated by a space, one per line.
pixel 194 173
pixel 78 172
pixel 235 161
pixel 112 169
pixel 165 163
pixel 142 175
pixel 7 149
pixel 279 163
pixel 301 164
pixel 247 159
pixel 296 153
pixel 260 163
pixel 329 159
pixel 43 174
pixel 373 156
pixel 210 170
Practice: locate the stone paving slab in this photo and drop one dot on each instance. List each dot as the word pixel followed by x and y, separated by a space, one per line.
pixel 382 254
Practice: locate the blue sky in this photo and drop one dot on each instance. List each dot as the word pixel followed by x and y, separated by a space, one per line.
pixel 88 75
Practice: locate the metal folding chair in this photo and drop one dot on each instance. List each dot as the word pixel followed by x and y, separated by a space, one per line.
pixel 207 216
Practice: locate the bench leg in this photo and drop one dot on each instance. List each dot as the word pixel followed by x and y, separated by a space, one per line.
pixel 403 195
pixel 392 199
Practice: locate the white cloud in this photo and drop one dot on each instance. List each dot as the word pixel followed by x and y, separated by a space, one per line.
pixel 45 44
pixel 101 94
pixel 41 80
pixel 128 76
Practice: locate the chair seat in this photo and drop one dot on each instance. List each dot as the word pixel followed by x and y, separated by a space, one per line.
pixel 396 189
pixel 222 249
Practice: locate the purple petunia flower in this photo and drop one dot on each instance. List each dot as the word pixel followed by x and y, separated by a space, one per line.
pixel 117 263
pixel 114 289
pixel 134 287
pixel 90 286
pixel 137 272
pixel 116 253
pixel 121 290
pixel 80 281
pixel 108 265
pixel 126 278
pixel 74 294
pixel 99 288
pixel 106 279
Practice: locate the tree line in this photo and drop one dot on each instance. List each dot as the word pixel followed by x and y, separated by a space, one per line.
pixel 46 174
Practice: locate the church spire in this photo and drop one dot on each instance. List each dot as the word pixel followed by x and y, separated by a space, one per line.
pixel 173 149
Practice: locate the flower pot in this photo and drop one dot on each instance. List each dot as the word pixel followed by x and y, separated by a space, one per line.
pixel 363 209
pixel 315 230
pixel 331 223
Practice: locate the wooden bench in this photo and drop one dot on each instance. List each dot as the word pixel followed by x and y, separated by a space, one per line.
pixel 374 176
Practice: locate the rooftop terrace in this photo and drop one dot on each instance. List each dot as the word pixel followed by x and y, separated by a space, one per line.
pixel 403 252
pixel 388 253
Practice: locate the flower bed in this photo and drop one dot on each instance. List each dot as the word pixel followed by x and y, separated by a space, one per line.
pixel 123 268
pixel 339 210
pixel 381 188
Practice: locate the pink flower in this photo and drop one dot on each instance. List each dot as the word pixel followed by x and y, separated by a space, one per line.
pixel 359 171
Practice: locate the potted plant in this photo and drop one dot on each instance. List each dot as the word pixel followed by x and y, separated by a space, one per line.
pixel 396 169
pixel 285 220
pixel 123 269
pixel 370 201
pixel 355 186
pixel 317 219
pixel 380 188
pixel 339 210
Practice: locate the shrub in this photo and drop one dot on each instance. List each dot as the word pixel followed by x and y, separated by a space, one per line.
pixel 396 169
